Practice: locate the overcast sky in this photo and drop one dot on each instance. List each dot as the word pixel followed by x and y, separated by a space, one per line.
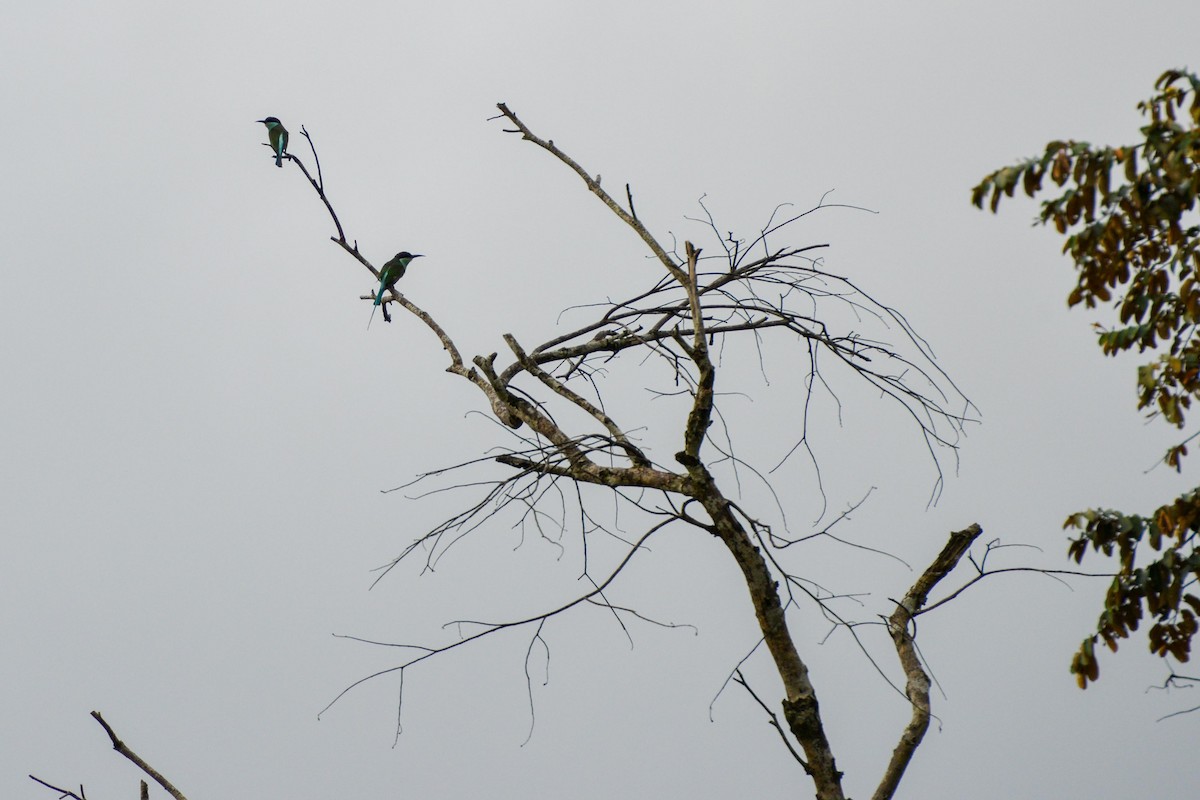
pixel 196 426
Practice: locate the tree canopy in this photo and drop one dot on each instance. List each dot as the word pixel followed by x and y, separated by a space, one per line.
pixel 1129 217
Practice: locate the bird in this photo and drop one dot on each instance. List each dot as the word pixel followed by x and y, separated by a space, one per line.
pixel 279 137
pixel 392 271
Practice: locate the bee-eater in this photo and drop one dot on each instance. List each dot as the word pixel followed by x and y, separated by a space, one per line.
pixel 392 271
pixel 279 137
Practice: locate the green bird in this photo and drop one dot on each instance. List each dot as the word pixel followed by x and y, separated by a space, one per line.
pixel 279 137
pixel 392 271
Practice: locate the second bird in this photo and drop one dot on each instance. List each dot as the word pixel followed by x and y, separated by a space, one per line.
pixel 392 271
pixel 279 137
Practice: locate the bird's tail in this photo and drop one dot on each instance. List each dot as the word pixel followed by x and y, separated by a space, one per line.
pixel 279 159
pixel 378 300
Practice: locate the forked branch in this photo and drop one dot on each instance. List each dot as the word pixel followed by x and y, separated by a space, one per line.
pixel 917 679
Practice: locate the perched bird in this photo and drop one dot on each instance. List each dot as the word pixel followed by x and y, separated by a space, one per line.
pixel 279 137
pixel 392 271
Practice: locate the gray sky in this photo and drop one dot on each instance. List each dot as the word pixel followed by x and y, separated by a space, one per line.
pixel 196 425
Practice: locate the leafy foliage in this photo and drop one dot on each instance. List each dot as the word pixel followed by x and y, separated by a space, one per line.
pixel 1135 242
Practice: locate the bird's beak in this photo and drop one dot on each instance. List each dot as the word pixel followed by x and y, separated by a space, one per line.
pixel 418 255
pixel 260 120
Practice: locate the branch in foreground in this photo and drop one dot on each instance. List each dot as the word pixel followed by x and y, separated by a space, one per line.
pixel 124 750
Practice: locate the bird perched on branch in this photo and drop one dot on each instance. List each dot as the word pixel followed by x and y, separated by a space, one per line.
pixel 279 137
pixel 392 271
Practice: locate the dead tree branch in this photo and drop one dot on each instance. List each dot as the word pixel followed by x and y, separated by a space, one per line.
pixel 124 750
pixel 917 686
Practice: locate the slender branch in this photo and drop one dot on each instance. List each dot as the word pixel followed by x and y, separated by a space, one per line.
pixel 644 618
pixel 594 187
pixel 985 574
pixel 62 792
pixel 124 750
pixel 319 185
pixel 740 679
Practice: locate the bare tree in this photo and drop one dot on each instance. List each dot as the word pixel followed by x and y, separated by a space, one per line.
pixel 693 305
pixel 569 441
